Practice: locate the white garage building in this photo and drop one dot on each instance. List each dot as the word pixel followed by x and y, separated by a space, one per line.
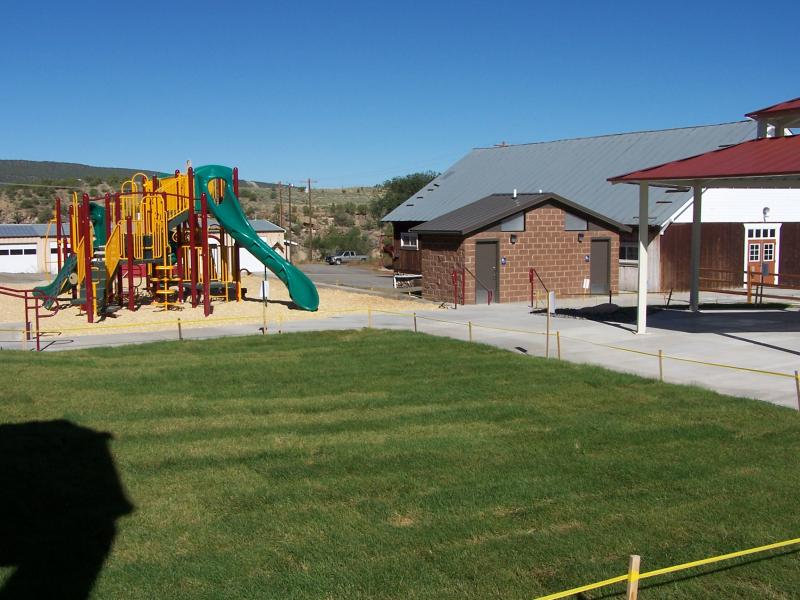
pixel 22 247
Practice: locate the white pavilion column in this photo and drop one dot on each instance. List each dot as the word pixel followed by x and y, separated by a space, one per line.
pixel 697 208
pixel 644 233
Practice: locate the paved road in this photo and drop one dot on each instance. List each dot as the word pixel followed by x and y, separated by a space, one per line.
pixel 354 276
pixel 765 340
pixel 15 278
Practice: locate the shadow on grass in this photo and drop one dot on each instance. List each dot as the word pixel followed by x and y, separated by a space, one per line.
pixel 60 498
pixel 673 580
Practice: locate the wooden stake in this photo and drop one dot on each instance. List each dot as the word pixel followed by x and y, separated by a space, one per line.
pixel 369 317
pixel 180 330
pixel 280 323
pixel 633 577
pixel 797 387
pixel 749 286
pixel 558 344
pixel 547 338
pixel 415 322
pixel 660 365
pixel 470 330
pixel 264 319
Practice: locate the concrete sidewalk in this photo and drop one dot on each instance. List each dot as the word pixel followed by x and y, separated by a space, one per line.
pixel 766 340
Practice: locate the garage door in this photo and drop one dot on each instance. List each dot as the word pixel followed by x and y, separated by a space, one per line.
pixel 18 258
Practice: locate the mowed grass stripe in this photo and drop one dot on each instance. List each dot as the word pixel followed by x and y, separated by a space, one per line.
pixel 375 464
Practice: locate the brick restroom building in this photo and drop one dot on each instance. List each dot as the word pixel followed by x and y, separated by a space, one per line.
pixel 494 242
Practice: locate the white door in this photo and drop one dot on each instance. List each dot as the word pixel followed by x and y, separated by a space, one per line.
pixel 52 259
pixel 18 258
pixel 762 252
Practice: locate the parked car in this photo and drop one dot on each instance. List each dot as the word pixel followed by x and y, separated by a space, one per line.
pixel 344 256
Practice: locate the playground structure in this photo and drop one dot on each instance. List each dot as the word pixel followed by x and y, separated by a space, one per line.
pixel 153 242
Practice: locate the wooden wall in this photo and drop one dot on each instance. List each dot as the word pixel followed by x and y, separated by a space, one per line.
pixel 722 247
pixel 405 261
pixel 409 261
pixel 789 260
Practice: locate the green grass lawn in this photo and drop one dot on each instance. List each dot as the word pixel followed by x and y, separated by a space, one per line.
pixel 380 464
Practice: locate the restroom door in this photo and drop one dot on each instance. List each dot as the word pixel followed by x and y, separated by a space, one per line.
pixel 486 272
pixel 600 267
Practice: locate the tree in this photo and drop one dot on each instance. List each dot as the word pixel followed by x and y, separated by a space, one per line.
pixel 342 218
pixel 397 190
pixel 334 240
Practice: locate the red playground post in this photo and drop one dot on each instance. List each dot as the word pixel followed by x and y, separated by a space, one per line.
pixel 206 257
pixel 86 227
pixel 192 242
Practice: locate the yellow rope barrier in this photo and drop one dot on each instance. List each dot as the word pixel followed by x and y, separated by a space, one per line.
pixel 611 346
pixel 672 569
pixel 585 588
pixel 211 322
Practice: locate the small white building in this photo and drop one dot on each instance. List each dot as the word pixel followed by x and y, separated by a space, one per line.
pixel 23 248
pixel 271 234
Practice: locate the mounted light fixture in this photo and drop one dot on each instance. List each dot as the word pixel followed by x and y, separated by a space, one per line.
pixel 580 238
pixel 513 238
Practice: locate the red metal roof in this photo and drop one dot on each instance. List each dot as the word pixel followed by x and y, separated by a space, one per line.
pixel 763 157
pixel 788 106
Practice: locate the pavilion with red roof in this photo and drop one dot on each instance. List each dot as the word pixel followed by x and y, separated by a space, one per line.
pixel 770 161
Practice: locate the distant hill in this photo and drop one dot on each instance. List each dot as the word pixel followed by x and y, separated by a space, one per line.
pixel 36 171
pixel 27 189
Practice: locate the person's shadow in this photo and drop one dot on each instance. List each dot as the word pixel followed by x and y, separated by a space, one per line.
pixel 60 496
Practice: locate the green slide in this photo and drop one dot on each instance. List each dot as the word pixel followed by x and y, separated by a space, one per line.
pixel 229 214
pixel 61 282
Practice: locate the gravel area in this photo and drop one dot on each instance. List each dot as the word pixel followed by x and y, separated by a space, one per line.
pixel 154 318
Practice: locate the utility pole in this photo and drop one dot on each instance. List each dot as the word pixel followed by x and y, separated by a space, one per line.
pixel 280 201
pixel 310 224
pixel 289 244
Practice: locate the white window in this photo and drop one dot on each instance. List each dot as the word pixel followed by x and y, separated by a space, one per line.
pixel 754 252
pixel 629 251
pixel 408 241
pixel 769 252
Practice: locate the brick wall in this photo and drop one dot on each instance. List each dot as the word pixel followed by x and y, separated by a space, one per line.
pixel 439 256
pixel 556 254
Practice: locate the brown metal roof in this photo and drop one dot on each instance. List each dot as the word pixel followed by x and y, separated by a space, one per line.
pixel 790 106
pixel 492 209
pixel 761 158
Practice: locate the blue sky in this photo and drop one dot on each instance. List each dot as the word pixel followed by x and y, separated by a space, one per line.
pixel 356 92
